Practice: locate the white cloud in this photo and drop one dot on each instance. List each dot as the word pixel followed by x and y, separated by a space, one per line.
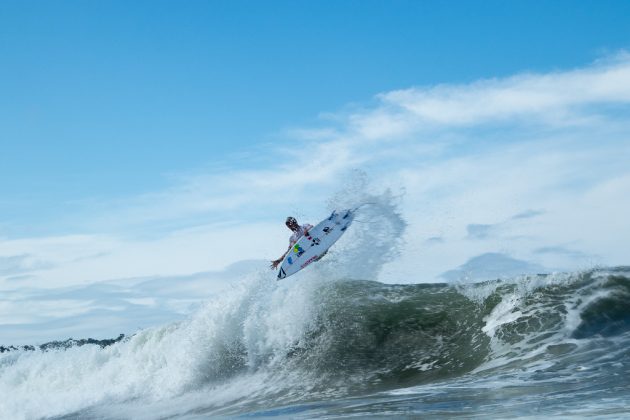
pixel 477 153
pixel 86 259
pixel 552 98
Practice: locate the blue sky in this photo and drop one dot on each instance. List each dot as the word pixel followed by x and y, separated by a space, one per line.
pixel 144 140
pixel 108 99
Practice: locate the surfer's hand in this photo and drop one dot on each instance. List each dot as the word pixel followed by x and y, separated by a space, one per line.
pixel 274 264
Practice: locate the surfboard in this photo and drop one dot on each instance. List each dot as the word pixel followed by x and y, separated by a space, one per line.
pixel 312 247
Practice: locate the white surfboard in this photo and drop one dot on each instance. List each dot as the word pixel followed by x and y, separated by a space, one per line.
pixel 312 247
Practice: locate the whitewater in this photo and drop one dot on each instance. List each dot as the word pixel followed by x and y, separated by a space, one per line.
pixel 334 342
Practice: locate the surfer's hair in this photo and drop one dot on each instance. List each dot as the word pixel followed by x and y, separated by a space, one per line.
pixel 290 220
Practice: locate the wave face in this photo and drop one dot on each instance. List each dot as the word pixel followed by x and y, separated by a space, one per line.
pixel 293 348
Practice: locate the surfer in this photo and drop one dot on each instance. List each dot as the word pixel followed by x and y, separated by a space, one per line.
pixel 298 232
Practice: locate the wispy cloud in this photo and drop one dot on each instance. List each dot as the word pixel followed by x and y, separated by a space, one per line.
pixel 487 231
pixel 559 98
pixel 18 264
pixel 517 164
pixel 528 214
pixel 476 231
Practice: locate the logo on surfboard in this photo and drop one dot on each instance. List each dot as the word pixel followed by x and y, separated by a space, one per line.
pixel 298 250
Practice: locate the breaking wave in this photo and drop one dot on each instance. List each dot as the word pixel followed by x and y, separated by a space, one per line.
pixel 316 339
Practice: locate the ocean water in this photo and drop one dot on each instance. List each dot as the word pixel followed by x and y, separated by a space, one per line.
pixel 332 342
pixel 530 346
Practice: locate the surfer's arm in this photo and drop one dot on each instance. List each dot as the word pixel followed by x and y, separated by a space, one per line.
pixel 274 263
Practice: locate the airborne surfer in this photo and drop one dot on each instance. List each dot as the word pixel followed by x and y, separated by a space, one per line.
pixel 298 232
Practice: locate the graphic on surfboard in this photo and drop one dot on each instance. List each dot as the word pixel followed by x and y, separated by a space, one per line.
pixel 312 247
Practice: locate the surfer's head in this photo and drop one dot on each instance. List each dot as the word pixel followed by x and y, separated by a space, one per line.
pixel 292 223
